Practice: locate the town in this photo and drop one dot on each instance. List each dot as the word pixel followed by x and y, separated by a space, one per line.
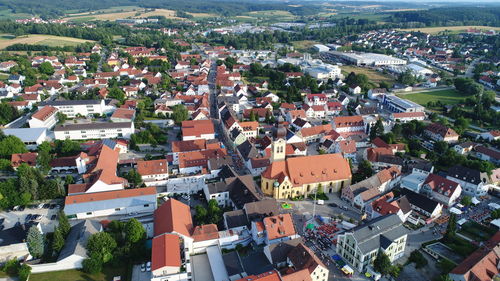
pixel 213 149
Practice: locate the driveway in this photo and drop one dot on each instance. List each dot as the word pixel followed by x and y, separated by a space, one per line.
pixel 138 275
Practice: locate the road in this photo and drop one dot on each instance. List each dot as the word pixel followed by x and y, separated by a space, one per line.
pixel 470 69
pixel 18 123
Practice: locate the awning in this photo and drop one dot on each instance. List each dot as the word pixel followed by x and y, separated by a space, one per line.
pixel 455 211
pixel 475 201
pixel 461 221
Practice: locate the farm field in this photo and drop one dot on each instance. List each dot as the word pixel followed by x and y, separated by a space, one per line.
pixel 41 39
pixel 8 14
pixel 121 13
pixel 449 96
pixel 434 30
pixel 202 15
pixel 373 75
pixel 272 14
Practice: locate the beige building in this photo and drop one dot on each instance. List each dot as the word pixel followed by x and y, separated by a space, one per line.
pixel 301 176
pixel 361 245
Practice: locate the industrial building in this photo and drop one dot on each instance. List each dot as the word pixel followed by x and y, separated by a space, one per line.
pixel 368 59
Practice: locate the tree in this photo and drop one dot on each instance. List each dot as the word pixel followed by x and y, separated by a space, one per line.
pixel 58 240
pixel 377 129
pixel 35 242
pixel 64 225
pixel 445 277
pixel 451 228
pixel 117 93
pixel 24 272
pixel 214 212
pixel 407 78
pixel 134 178
pixel 43 161
pixel 61 118
pixel 134 231
pixel 10 145
pixel 5 165
pixel 92 265
pixel 101 245
pixel 46 68
pixel 417 258
pixel 201 214
pixel 466 200
pixel 440 147
pixel 382 263
pixel 180 113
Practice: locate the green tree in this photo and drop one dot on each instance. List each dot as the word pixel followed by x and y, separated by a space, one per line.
pixel 466 200
pixel 43 161
pixel 10 145
pixel 134 178
pixel 440 147
pixel 61 118
pixel 64 225
pixel 417 258
pixel 35 242
pixel 101 245
pixel 451 228
pixel 117 93
pixel 46 68
pixel 24 272
pixel 377 129
pixel 201 214
pixel 214 212
pixel 444 277
pixel 92 265
pixel 58 241
pixel 382 263
pixel 134 231
pixel 5 165
pixel 179 113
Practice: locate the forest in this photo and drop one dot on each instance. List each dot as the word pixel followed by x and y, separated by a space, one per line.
pixel 450 16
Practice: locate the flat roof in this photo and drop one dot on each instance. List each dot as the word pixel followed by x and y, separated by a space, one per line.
pixel 26 134
pixel 93 126
pixel 219 271
pixel 201 268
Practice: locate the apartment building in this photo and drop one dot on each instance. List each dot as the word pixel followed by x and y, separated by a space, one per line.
pixel 94 131
pixel 77 107
pixel 46 117
pixel 153 172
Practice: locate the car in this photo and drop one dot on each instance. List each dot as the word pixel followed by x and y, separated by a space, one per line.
pixel 333 205
pixel 28 217
pixel 46 206
pixel 148 266
pixel 32 206
pixel 2 227
pixel 52 206
pixel 15 208
pixel 36 217
pixel 40 206
pixel 21 208
pixel 2 220
pixel 143 267
pixel 53 218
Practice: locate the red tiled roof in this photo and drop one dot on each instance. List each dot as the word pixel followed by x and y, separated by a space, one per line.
pixel 197 127
pixel 205 232
pixel 29 158
pixel 279 226
pixel 152 167
pixel 173 217
pixel 124 113
pixel 45 112
pixel 109 195
pixel 165 252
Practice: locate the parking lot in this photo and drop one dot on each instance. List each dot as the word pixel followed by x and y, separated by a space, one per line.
pixel 139 275
pixel 46 215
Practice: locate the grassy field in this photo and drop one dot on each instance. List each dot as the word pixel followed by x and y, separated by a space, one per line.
pixel 373 75
pixel 445 96
pixel 77 275
pixel 303 45
pixel 40 39
pixel 7 14
pixel 272 14
pixel 434 30
pixel 113 14
pixel 202 15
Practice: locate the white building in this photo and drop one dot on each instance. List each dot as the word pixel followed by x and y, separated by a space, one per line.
pixel 78 107
pixel 31 137
pixel 94 131
pixel 46 117
pixel 153 172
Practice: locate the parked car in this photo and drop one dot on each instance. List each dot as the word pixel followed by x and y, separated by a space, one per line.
pixel 21 208
pixel 143 267
pixel 333 205
pixel 53 217
pixel 36 217
pixel 52 206
pixel 148 266
pixel 46 206
pixel 2 220
pixel 28 217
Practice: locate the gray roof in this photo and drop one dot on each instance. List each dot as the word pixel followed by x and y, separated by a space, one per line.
pixel 236 218
pixel 279 251
pixel 217 187
pixel 233 264
pixel 261 209
pixel 91 206
pixel 247 150
pixel 77 239
pixel 219 162
pixel 70 102
pixel 26 134
pixel 93 126
pixel 378 232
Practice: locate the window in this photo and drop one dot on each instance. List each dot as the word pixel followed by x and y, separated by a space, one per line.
pixel 146 205
pixel 89 213
pixel 117 209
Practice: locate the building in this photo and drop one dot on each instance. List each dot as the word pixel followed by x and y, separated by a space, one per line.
pixel 197 129
pixel 425 210
pixel 442 189
pixel 28 158
pixel 116 202
pixel 360 246
pixel 72 108
pixel 166 255
pixel 347 124
pixel 94 131
pixel 439 132
pixel 473 182
pixel 279 228
pixel 366 59
pixel 46 117
pixel 387 205
pixel 301 176
pixel 123 115
pixel 404 117
pixel 153 172
pixel 31 137
pixel 396 104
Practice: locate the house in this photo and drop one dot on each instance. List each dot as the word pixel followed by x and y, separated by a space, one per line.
pixel 197 161
pixel 355 89
pixel 481 265
pixel 13 243
pixel 347 148
pixel 387 204
pixel 347 124
pixel 304 264
pixel 7 65
pixel 279 228
pixel 375 93
pixel 405 117
pixel 28 158
pixel 487 154
pixel 301 176
pixel 16 79
pixel 153 172
pixel 442 189
pixel 94 131
pixel 46 117
pixel 166 255
pixel 315 99
pixel 197 129
pixel 491 135
pixel 360 246
pixel 74 251
pixel 464 148
pixel 439 132
pixel 425 210
pixel 473 182
pixel 107 203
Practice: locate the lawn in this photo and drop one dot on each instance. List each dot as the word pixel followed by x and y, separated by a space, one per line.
pixel 303 45
pixel 449 96
pixel 77 275
pixel 42 39
pixel 460 246
pixel 455 29
pixel 373 75
pixel 476 231
pixel 121 13
pixel 272 14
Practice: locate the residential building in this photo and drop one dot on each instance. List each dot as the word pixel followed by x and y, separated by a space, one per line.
pixel 197 129
pixel 347 124
pixel 473 182
pixel 387 204
pixel 94 131
pixel 442 189
pixel 123 115
pixel 153 172
pixel 279 228
pixel 360 246
pixel 28 158
pixel 438 132
pixel 425 210
pixel 405 117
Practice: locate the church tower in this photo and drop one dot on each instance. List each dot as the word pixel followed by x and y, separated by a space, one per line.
pixel 278 150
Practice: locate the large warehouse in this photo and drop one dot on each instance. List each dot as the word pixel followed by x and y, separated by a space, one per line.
pixel 366 58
